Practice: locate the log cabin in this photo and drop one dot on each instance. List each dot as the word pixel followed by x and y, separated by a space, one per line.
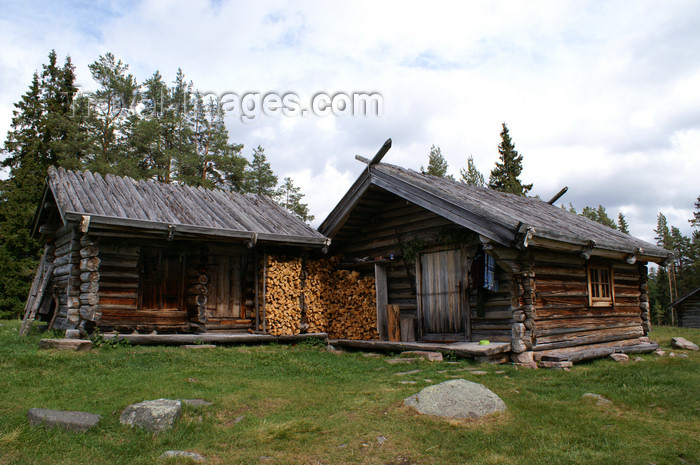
pixel 466 263
pixel 146 256
pixel 687 309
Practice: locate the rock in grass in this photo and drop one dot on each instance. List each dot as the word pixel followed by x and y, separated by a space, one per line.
pixel 456 398
pixel 681 343
pixel 404 373
pixel 394 361
pixel 195 457
pixel 620 358
pixel 600 400
pixel 65 344
pixel 67 420
pixel 152 415
pixel 424 354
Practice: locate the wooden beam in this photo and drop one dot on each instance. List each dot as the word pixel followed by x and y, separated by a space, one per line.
pixel 212 338
pixel 380 154
pixel 558 195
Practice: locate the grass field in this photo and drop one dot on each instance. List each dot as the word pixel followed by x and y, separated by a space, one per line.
pixel 282 404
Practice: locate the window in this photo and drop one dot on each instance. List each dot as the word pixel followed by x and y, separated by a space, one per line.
pixel 600 286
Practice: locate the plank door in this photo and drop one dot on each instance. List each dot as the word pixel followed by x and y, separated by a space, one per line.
pixel 224 300
pixel 160 280
pixel 441 283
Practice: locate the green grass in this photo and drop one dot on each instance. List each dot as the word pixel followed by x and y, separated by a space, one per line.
pixel 302 404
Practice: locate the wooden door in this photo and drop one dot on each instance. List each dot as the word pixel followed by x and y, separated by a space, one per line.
pixel 160 279
pixel 224 300
pixel 441 283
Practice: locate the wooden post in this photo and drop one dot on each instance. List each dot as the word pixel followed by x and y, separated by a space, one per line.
pixel 382 300
pixel 419 298
pixel 394 323
pixel 257 292
pixel 264 296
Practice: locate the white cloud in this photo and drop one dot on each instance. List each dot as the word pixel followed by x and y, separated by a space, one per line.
pixel 602 97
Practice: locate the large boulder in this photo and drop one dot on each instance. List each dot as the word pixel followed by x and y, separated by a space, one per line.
pixel 67 420
pixel 457 398
pixel 682 343
pixel 152 415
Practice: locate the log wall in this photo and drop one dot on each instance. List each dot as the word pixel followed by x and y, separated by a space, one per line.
pixel 117 276
pixel 494 321
pixel 66 277
pixel 563 315
pixel 689 312
pixel 110 287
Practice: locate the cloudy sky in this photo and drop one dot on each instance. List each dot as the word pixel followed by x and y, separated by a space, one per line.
pixel 602 97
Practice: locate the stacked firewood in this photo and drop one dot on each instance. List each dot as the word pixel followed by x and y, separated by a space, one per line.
pixel 282 295
pixel 339 302
pixel 354 310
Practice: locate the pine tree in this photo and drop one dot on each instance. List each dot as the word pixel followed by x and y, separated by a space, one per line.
pixel 260 179
pixel 504 177
pixel 622 225
pixel 110 109
pixel 472 175
pixel 290 198
pixel 437 165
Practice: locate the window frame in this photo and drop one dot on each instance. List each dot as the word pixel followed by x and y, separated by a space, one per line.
pixel 596 283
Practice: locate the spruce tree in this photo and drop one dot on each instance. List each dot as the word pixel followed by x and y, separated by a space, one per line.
pixel 504 177
pixel 472 175
pixel 260 179
pixel 437 165
pixel 695 220
pixel 220 163
pixel 290 198
pixel 663 233
pixel 598 215
pixel 622 225
pixel 151 133
pixel 40 135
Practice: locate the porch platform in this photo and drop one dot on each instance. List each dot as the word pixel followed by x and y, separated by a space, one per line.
pixel 210 338
pixel 496 352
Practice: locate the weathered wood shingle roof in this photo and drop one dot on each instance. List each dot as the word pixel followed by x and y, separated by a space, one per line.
pixel 503 218
pixel 122 202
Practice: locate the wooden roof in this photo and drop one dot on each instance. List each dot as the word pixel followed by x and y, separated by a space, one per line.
pixel 689 295
pixel 505 219
pixel 115 202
